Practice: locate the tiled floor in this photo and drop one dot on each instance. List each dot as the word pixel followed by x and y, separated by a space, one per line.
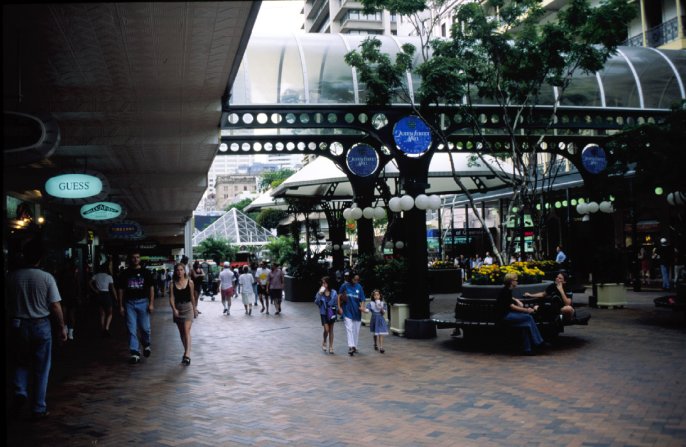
pixel 263 380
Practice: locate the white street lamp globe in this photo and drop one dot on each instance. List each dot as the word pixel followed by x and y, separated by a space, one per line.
pixel 670 199
pixel 422 201
pixel 406 203
pixel 394 204
pixel 581 208
pixel 399 244
pixel 434 202
pixel 336 247
pixel 346 214
pixel 388 244
pixel 606 207
pixel 593 207
pixel 379 213
pixel 356 213
pixel 368 212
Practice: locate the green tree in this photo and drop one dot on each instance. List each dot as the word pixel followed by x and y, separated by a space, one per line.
pixel 240 205
pixel 272 179
pixel 499 52
pixel 218 250
pixel 280 249
pixel 270 218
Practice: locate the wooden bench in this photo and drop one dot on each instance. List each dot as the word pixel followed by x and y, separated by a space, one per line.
pixel 473 315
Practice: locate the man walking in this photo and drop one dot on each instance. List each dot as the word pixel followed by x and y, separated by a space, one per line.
pixel 351 300
pixel 261 275
pixel 275 287
pixel 226 280
pixel 32 297
pixel 136 301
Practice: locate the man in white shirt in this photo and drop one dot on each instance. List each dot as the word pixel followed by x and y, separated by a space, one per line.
pixel 226 279
pixel 488 259
pixel 261 275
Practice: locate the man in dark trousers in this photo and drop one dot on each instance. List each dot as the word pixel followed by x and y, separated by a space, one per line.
pixel 666 259
pixel 32 297
pixel 136 301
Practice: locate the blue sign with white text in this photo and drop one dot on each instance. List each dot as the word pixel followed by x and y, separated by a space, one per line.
pixel 593 158
pixel 412 136
pixel 362 160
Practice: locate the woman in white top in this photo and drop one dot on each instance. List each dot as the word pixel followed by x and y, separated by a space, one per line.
pixel 245 282
pixel 102 284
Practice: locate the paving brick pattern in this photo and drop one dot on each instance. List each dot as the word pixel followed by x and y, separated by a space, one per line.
pixel 264 381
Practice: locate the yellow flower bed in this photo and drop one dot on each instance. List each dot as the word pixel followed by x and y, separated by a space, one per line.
pixel 527 273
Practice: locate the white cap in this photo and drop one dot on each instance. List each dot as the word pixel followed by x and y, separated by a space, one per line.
pixel 226 264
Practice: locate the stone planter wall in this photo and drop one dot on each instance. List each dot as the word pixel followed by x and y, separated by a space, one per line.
pixel 470 290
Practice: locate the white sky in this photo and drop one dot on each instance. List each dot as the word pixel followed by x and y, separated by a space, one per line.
pixel 279 17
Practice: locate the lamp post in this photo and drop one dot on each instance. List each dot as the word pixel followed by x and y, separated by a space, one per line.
pixel 586 209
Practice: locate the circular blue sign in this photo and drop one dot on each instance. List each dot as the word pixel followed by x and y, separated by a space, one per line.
pixel 412 136
pixel 362 160
pixel 593 158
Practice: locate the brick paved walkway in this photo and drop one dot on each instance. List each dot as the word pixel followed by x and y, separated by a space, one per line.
pixel 264 381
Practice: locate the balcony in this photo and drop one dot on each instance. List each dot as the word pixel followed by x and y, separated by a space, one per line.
pixel 658 35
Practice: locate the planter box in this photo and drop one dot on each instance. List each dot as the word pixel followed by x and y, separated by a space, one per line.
pixel 611 295
pixel 367 317
pixel 297 289
pixel 399 313
pixel 444 280
pixel 478 291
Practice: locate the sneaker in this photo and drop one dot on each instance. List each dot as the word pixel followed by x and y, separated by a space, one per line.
pixel 147 351
pixel 226 311
pixel 134 359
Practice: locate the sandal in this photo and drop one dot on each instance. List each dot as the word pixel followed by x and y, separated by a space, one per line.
pixel 186 360
pixel 323 347
pixel 331 351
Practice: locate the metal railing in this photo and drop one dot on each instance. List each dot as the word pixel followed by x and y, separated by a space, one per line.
pixel 658 35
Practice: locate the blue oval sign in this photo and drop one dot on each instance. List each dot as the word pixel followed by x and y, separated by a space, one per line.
pixel 593 158
pixel 73 186
pixel 412 135
pixel 101 211
pixel 362 160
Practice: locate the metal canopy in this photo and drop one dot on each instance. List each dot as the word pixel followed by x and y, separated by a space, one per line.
pixel 322 178
pixel 136 91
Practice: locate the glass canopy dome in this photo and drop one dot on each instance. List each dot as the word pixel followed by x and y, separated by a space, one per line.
pixel 310 69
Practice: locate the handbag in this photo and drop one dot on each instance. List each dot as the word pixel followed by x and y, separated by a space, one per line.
pixel 331 313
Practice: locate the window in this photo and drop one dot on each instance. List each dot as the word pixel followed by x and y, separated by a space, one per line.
pixel 443 34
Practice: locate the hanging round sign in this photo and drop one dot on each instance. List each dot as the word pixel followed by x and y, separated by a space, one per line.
pixel 593 158
pixel 362 160
pixel 101 211
pixel 76 187
pixel 412 136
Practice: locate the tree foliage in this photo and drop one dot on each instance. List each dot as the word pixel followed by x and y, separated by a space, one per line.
pixel 270 218
pixel 240 205
pixel 280 249
pixel 499 52
pixel 272 179
pixel 219 250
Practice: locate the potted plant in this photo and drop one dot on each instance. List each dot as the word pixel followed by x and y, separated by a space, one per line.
pixel 443 277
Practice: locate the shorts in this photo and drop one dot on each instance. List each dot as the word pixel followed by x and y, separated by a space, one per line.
pixel 104 299
pixel 227 294
pixel 276 295
pixel 325 320
pixel 262 289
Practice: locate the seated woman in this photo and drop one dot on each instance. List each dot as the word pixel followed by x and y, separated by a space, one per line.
pixel 516 315
pixel 556 292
